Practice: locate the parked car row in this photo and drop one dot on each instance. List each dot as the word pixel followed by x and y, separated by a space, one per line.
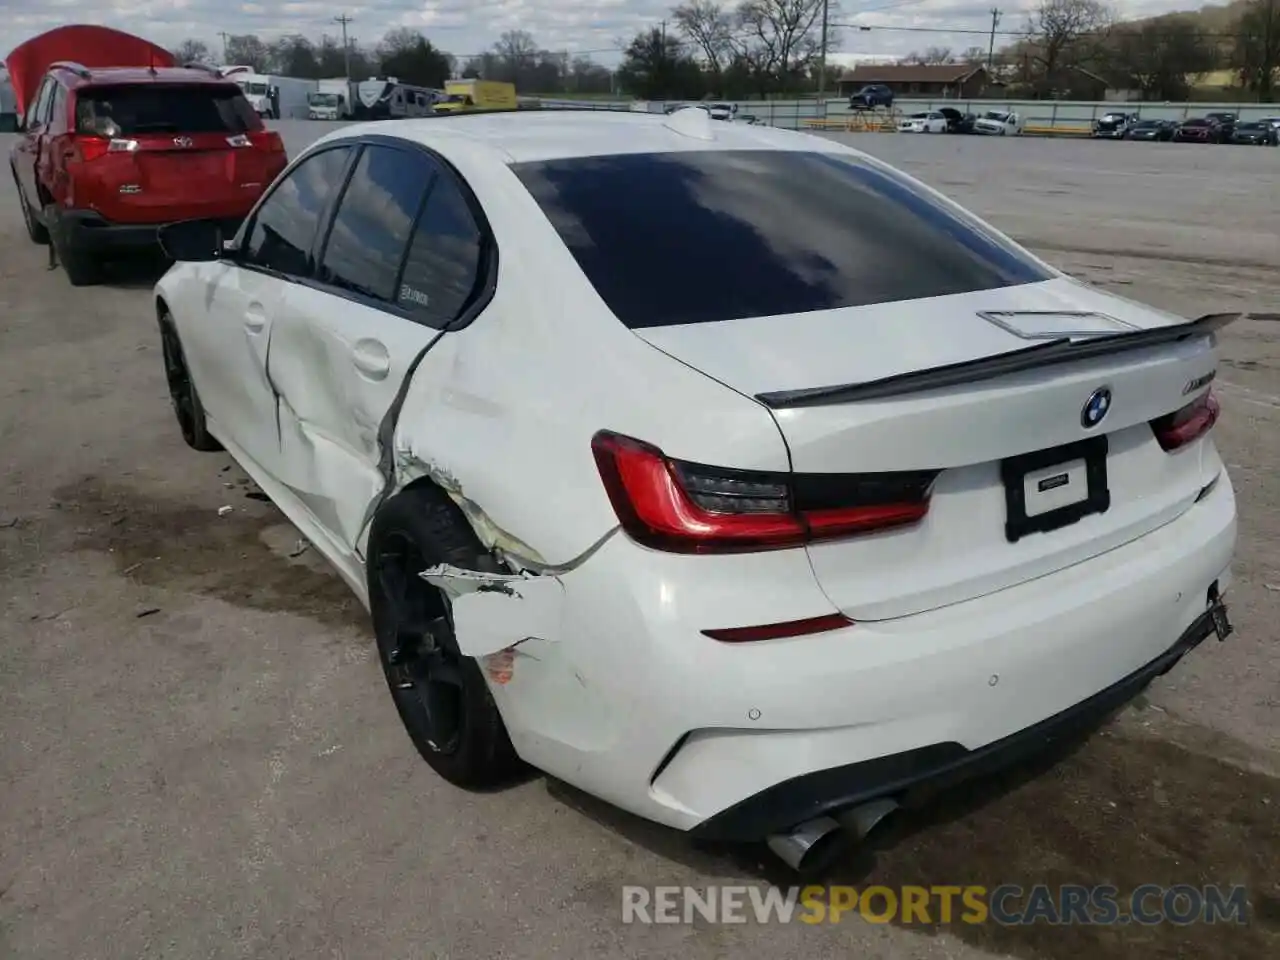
pixel 998 123
pixel 1214 127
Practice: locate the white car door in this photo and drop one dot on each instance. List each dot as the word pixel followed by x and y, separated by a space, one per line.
pixel 400 260
pixel 226 332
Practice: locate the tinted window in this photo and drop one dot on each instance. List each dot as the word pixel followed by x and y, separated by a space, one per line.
pixel 164 108
pixel 443 268
pixel 795 232
pixel 285 225
pixel 374 220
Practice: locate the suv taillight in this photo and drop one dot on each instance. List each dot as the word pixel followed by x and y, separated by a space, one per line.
pixel 86 148
pixel 1175 430
pixel 266 140
pixel 683 507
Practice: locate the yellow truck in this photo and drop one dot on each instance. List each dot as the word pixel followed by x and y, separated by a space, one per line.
pixel 464 96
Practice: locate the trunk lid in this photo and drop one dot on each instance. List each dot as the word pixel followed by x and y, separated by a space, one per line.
pixel 977 433
pixel 176 152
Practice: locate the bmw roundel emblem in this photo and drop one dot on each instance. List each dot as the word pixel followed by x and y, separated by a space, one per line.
pixel 1095 408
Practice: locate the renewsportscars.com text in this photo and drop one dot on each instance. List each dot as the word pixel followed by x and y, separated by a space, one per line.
pixel 1007 904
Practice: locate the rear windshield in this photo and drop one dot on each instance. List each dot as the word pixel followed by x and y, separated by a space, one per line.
pixel 1251 126
pixel 696 237
pixel 164 108
pixel 1196 123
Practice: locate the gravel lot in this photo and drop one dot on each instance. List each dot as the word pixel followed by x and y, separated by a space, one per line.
pixel 199 757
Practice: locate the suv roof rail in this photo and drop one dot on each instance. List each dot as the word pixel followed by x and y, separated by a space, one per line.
pixel 78 69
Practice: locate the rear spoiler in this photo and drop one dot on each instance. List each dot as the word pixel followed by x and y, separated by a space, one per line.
pixel 1049 353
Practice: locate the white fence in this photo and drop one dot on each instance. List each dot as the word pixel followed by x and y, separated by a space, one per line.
pixel 1066 115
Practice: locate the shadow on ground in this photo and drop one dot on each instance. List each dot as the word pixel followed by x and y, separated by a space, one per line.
pixel 1110 811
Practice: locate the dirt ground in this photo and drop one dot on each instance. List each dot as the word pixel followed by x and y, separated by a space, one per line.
pixel 199 757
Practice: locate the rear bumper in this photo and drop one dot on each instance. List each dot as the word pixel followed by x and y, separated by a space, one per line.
pixel 937 766
pixel 89 231
pixel 623 697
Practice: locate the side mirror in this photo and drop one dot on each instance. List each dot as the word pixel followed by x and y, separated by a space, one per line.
pixel 192 241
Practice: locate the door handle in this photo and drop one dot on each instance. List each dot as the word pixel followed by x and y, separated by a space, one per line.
pixel 254 319
pixel 371 359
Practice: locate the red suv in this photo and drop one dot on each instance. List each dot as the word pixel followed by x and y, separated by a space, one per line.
pixel 111 154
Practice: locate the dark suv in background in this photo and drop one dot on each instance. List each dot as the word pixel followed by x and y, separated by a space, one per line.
pixel 109 155
pixel 871 96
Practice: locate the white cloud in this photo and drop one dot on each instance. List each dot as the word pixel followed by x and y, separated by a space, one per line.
pixel 466 27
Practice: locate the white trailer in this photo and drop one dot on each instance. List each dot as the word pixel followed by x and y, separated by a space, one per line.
pixel 386 98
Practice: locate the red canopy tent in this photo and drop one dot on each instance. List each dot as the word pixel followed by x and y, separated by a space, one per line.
pixel 89 45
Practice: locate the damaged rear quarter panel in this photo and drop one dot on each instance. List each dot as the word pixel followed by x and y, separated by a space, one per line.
pixel 501 412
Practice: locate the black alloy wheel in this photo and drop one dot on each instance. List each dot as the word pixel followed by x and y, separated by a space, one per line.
pixel 187 407
pixel 417 648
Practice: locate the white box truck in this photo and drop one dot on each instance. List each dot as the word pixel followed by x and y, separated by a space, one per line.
pixel 333 99
pixel 273 97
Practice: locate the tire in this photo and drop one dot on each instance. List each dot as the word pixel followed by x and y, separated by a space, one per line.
pixel 441 696
pixel 187 408
pixel 36 230
pixel 82 269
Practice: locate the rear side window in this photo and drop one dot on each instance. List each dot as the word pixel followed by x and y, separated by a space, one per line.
pixel 129 110
pixel 374 221
pixel 285 226
pixel 443 269
pixel 701 236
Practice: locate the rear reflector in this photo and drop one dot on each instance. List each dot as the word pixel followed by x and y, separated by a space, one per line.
pixel 684 507
pixel 1177 429
pixel 779 631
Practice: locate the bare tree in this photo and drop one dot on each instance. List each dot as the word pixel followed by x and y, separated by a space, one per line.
pixel 709 27
pixel 1257 47
pixel 779 39
pixel 191 51
pixel 1162 57
pixel 1062 33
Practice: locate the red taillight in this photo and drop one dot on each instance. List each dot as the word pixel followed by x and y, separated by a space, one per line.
pixel 267 140
pixel 89 148
pixel 1177 429
pixel 780 631
pixel 690 508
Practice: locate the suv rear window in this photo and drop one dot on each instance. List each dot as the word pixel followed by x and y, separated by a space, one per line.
pixel 128 110
pixel 707 235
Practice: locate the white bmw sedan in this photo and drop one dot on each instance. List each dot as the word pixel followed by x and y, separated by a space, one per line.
pixel 753 559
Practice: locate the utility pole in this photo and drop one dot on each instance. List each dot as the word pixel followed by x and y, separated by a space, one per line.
pixel 822 53
pixel 991 47
pixel 664 40
pixel 224 35
pixel 346 48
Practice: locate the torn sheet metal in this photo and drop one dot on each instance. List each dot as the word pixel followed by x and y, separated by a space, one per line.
pixel 493 612
pixel 507 547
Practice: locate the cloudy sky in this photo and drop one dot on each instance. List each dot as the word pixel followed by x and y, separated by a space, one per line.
pixel 465 27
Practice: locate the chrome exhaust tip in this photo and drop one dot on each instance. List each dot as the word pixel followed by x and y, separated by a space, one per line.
pixel 814 844
pixel 807 843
